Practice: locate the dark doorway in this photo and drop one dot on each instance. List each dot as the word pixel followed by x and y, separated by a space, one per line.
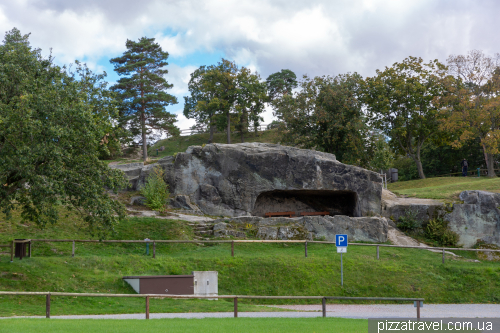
pixel 335 202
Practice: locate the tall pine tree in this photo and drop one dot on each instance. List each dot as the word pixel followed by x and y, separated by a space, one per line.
pixel 143 89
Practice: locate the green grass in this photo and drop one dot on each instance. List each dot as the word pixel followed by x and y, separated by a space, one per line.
pixel 256 269
pixel 445 188
pixel 187 325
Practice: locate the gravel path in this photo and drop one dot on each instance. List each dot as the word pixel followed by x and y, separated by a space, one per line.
pixel 333 310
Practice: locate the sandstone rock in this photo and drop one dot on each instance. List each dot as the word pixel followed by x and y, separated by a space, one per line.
pixel 183 201
pixel 137 200
pixel 478 218
pixel 394 207
pixel 267 233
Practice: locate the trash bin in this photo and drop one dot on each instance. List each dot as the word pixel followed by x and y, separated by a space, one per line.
pixel 20 249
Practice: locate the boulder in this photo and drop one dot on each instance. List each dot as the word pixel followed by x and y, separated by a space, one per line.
pixel 477 219
pixel 394 207
pixel 183 202
pixel 137 201
pixel 369 229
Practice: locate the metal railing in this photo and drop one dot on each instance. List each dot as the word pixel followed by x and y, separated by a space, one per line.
pixel 232 242
pixel 234 297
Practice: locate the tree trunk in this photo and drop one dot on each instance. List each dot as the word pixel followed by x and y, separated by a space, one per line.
pixel 212 129
pixel 490 165
pixel 144 144
pixel 228 128
pixel 417 161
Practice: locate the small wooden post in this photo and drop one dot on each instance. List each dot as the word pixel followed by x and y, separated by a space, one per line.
pixel 443 256
pixel 236 307
pixel 12 251
pixel 154 249
pixel 324 307
pixel 147 307
pixel 418 309
pixel 232 249
pixel 47 306
pixel 73 250
pixel 305 247
pixel 378 253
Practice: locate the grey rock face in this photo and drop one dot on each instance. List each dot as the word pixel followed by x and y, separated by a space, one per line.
pixel 394 207
pixel 369 229
pixel 137 200
pixel 255 178
pixel 478 218
pixel 183 202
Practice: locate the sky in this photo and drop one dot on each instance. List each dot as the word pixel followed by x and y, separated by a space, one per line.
pixel 312 37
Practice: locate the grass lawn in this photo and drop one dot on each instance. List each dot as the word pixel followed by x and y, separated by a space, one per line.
pixel 446 188
pixel 186 325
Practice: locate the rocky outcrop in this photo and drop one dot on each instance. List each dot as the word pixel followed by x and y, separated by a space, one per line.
pixel 477 219
pixel 254 178
pixel 368 229
pixel 394 207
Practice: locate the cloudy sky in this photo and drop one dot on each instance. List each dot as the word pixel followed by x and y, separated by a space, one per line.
pixel 311 37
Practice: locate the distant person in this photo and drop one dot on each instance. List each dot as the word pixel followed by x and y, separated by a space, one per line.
pixel 465 165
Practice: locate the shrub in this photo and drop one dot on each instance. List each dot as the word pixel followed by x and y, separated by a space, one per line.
pixel 407 170
pixel 155 190
pixel 438 230
pixel 409 221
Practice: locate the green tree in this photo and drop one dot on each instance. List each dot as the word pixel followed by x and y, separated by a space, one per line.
pixel 143 90
pixel 50 133
pixel 156 190
pixel 281 83
pixel 325 114
pixel 400 102
pixel 224 94
pixel 382 156
pixel 472 105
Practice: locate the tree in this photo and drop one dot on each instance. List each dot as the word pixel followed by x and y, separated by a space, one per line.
pixel 281 83
pixel 50 133
pixel 222 94
pixel 325 114
pixel 473 102
pixel 400 102
pixel 143 91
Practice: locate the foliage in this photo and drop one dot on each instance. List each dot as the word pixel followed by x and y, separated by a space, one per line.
pixel 156 190
pixel 143 90
pixel 223 94
pixel 409 221
pixel 325 114
pixel 472 102
pixel 382 155
pixel 281 83
pixel 51 131
pixel 438 230
pixel 273 125
pixel 407 170
pixel 400 103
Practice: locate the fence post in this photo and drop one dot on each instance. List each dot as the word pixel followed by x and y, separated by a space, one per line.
pixel 378 253
pixel 443 256
pixel 418 309
pixel 324 307
pixel 147 307
pixel 232 249
pixel 47 306
pixel 236 307
pixel 154 249
pixel 12 251
pixel 73 249
pixel 305 247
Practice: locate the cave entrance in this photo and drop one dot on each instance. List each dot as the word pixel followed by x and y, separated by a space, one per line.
pixel 298 201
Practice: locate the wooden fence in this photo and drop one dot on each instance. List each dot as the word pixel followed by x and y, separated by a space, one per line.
pixel 234 297
pixel 233 242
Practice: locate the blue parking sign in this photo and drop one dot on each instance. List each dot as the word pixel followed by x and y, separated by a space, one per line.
pixel 341 240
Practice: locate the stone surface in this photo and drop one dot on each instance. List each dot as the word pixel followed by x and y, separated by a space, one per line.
pixel 137 200
pixel 394 207
pixel 228 180
pixel 184 202
pixel 478 218
pixel 369 229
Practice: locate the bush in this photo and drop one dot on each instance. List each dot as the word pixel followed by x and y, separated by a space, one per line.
pixel 155 190
pixel 407 169
pixel 438 230
pixel 409 222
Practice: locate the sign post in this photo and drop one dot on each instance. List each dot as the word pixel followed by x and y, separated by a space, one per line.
pixel 341 243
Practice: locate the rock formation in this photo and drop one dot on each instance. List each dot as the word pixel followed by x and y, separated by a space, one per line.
pixel 255 178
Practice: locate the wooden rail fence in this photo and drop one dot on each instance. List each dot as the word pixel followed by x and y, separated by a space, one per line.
pixel 234 297
pixel 233 242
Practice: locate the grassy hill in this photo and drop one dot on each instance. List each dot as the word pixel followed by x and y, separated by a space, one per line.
pixel 445 188
pixel 256 269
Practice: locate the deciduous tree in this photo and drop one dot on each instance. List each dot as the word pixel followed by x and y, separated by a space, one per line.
pixel 50 133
